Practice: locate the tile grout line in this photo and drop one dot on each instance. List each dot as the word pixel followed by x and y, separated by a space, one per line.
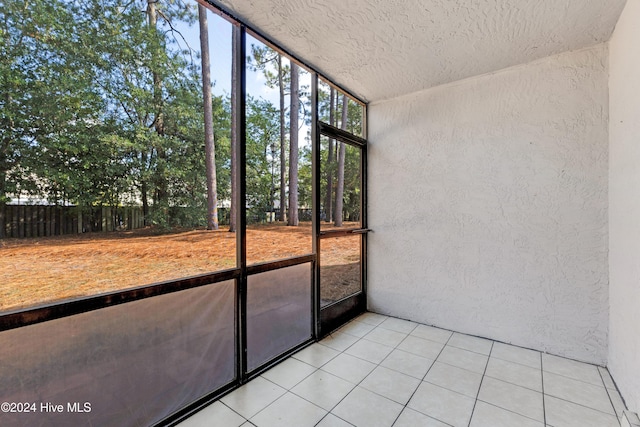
pixel 609 396
pixel 360 382
pixel 584 406
pixel 580 404
pixel 331 413
pixel 341 351
pixel 511 410
pixel 577 379
pixel 289 390
pixel 426 373
pixel 473 372
pixel 334 406
pixel 380 365
pixel 423 378
pixel 574 361
pixel 544 406
pixel 246 420
pixel 517 363
pixel 315 404
pixel 575 403
pixel 516 385
pixel 475 402
pixel 404 406
pixel 402 332
pixel 472 336
pixel 512 383
pixel 278 398
pixel 304 378
pixel 303 398
pixel 385 358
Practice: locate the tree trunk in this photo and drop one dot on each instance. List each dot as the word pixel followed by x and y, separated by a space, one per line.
pixel 283 156
pixel 144 191
pixel 4 166
pixel 329 197
pixel 157 81
pixel 293 146
pixel 209 147
pixel 160 193
pixel 341 153
pixel 234 131
pixel 3 202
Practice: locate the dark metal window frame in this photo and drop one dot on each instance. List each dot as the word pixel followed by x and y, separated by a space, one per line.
pixel 59 309
pixel 338 312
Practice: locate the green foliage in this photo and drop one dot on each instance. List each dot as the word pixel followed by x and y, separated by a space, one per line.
pixel 263 162
pixel 329 167
pixel 99 106
pixel 265 59
pixel 305 178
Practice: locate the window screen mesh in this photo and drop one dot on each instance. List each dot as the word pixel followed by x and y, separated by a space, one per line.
pixel 134 363
pixel 278 312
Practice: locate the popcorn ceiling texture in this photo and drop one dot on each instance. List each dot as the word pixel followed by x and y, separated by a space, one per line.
pixel 624 204
pixel 380 49
pixel 488 203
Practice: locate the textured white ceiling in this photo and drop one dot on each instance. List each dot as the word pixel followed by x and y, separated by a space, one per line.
pixel 380 49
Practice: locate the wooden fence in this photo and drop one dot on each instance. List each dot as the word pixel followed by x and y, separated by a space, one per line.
pixel 20 221
pixel 39 221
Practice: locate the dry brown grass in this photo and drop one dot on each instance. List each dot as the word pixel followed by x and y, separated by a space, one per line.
pixel 36 271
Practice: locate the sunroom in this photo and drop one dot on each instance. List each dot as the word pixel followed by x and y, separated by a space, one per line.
pixel 320 213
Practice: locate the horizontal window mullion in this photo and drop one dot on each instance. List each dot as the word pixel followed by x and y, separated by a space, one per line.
pixel 341 135
pixel 19 318
pixel 325 234
pixel 275 265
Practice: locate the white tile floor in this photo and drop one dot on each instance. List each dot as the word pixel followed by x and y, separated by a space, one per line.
pixel 382 371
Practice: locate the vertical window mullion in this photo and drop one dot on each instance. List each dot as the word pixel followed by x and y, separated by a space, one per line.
pixel 315 173
pixel 240 93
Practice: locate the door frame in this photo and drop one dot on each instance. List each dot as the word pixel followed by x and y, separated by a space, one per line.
pixel 334 315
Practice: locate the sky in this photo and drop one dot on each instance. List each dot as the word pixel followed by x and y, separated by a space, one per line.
pixel 220 56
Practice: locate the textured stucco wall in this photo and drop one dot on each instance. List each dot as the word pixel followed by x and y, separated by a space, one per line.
pixel 488 201
pixel 624 205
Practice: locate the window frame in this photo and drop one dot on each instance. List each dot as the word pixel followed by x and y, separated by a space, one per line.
pixel 60 309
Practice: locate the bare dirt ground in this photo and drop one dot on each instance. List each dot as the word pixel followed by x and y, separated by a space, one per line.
pixel 42 270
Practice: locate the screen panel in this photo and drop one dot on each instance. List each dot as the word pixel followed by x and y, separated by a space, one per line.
pixel 278 156
pixel 340 268
pixel 126 365
pixel 339 109
pixel 340 184
pixel 278 312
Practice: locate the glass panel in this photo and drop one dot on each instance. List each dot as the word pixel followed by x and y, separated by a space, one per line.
pixel 355 118
pixel 127 365
pixel 278 156
pixel 339 176
pixel 108 190
pixel 331 109
pixel 278 312
pixel 326 103
pixel 339 268
pixel 305 178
